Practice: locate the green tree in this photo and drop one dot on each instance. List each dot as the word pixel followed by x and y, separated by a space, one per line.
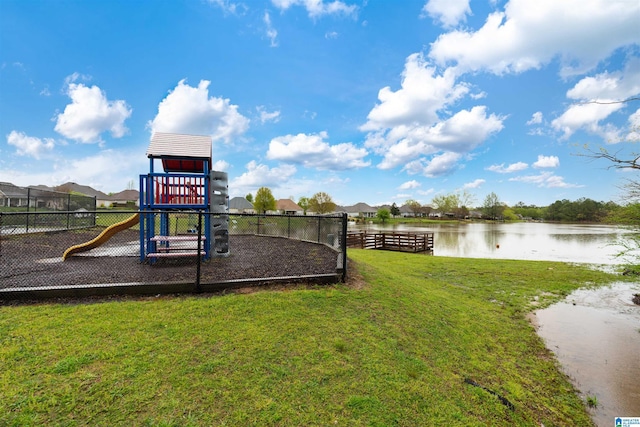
pixel 249 197
pixel 492 207
pixel 264 200
pixel 446 203
pixel 414 206
pixel 395 210
pixel 303 202
pixel 383 215
pixel 321 203
pixel 509 215
pixel 528 211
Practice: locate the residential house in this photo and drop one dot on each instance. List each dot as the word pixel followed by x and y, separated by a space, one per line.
pixel 13 196
pixel 123 198
pixel 72 187
pixel 360 210
pixel 240 205
pixel 289 207
pixel 406 211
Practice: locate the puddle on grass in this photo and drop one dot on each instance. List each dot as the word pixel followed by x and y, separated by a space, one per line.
pixel 595 334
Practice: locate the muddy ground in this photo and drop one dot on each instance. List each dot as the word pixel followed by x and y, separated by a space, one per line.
pixel 36 260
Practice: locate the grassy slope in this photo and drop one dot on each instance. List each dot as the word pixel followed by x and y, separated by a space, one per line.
pixel 395 352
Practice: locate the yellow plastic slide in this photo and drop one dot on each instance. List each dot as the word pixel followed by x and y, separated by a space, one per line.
pixel 102 238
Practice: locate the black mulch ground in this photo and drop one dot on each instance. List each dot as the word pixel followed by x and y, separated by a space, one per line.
pixel 36 260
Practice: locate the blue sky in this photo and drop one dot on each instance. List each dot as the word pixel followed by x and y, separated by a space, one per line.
pixel 377 101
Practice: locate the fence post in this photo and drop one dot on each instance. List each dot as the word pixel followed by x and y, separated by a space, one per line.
pixel 198 287
pixel 68 209
pixel 344 247
pixel 319 219
pixel 28 204
pixel 289 227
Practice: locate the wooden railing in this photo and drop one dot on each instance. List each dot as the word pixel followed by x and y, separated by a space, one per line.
pixel 391 241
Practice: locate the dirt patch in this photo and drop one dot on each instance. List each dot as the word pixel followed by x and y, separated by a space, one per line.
pixel 36 260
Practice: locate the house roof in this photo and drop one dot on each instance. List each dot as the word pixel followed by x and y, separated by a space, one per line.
pixel 180 152
pixel 10 190
pixel 129 195
pixel 287 205
pixel 240 203
pixel 72 187
pixel 360 207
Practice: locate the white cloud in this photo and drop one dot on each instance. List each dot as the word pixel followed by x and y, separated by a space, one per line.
pixel 116 168
pixel 438 165
pixel 313 152
pixel 536 118
pixel 514 167
pixel 220 165
pixel 409 185
pixel 91 113
pixel 422 94
pixel 475 184
pixel 229 6
pixel 272 33
pixel 634 127
pixel 584 116
pixel 190 110
pixel 615 86
pixel 545 180
pixel 449 12
pixel 331 35
pixel 598 98
pixel 531 33
pixel 478 95
pixel 426 192
pixel 266 116
pixel 546 162
pixel 259 175
pixel 459 134
pixel 318 8
pixel 442 164
pixel 406 126
pixel 108 171
pixel 29 145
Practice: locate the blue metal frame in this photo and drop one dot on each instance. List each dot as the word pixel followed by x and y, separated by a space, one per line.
pixel 148 205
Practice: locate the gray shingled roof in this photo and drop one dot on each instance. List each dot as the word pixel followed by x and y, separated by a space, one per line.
pixel 240 203
pixel 130 195
pixel 10 190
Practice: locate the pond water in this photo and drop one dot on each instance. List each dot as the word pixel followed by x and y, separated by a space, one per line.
pixel 585 243
pixel 594 333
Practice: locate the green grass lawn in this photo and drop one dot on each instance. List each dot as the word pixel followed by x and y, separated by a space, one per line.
pixel 393 351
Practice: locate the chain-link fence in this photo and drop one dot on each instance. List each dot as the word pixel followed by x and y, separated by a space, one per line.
pixel 32 210
pixel 110 253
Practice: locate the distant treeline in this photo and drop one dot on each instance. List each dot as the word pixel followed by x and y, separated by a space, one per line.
pixel 581 210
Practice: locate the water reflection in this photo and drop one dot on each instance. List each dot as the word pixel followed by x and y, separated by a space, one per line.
pixel 594 335
pixel 527 241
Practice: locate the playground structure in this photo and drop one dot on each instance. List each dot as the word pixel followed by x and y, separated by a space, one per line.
pixel 187 185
